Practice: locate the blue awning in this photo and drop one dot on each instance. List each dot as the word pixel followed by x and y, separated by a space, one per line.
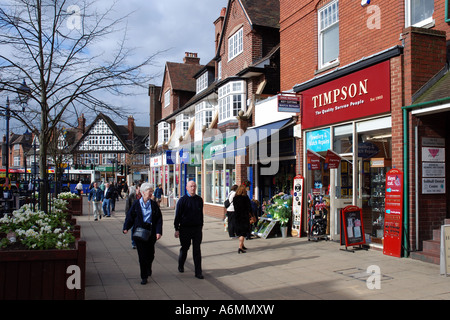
pixel 255 134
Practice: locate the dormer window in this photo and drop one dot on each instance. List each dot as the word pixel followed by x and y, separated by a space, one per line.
pixel 202 82
pixel 235 44
pixel 232 99
pixel 163 132
pixel 166 98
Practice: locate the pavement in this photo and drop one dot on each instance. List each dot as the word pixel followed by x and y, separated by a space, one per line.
pixel 272 269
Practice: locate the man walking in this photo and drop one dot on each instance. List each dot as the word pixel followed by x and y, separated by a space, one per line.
pixel 188 227
pixel 96 195
pixel 108 194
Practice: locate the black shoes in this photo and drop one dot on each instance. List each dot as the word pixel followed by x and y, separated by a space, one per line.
pixel 199 276
pixel 241 251
pixel 144 281
pixel 181 269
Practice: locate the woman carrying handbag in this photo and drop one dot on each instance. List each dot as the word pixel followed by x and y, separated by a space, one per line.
pixel 146 219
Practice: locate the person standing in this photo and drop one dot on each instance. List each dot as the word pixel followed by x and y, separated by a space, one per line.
pixel 230 212
pixel 96 196
pixel 108 194
pixel 145 213
pixel 188 225
pixel 134 194
pixel 158 194
pixel 79 188
pixel 243 210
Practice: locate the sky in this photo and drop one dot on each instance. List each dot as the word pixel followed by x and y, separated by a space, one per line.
pixel 171 27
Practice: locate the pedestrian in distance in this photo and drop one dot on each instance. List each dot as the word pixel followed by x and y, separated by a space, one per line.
pixel 230 212
pixel 134 194
pixel 145 213
pixel 108 194
pixel 79 188
pixel 243 211
pixel 188 225
pixel 96 196
pixel 158 194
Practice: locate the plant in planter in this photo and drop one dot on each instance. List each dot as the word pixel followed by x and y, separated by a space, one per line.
pixel 68 195
pixel 36 229
pixel 280 208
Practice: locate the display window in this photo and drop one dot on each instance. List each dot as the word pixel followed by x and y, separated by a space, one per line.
pixel 220 175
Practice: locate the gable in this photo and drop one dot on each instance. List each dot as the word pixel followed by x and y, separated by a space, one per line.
pixel 100 138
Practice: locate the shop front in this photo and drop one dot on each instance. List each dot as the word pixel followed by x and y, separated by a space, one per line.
pixel 347 148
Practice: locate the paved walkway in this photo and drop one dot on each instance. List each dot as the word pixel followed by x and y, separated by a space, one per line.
pixel 272 269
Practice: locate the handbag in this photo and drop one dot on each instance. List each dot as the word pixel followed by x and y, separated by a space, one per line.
pixel 227 203
pixel 253 219
pixel 141 234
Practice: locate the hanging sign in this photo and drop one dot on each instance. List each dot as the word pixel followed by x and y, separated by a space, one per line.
pixel 333 160
pixel 297 206
pixel 288 103
pixel 313 159
pixel 352 226
pixel 393 218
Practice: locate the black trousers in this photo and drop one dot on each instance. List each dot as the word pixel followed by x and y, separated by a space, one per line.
pixel 190 235
pixel 146 253
pixel 231 223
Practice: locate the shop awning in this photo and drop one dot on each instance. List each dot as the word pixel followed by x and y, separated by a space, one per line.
pixel 219 147
pixel 255 134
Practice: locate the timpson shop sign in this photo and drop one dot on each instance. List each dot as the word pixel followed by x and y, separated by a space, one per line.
pixel 360 94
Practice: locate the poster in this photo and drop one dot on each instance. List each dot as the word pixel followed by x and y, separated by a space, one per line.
pixel 297 206
pixel 353 227
pixel 393 218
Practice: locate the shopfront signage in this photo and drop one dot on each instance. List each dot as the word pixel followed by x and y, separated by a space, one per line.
pixel 361 94
pixel 313 160
pixel 156 161
pixel 393 218
pixel 288 103
pixel 333 160
pixel 433 154
pixel 318 140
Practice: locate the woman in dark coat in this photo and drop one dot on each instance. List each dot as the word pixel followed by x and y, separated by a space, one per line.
pixel 145 213
pixel 242 211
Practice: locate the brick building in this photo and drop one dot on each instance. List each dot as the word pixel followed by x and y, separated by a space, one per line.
pixel 356 67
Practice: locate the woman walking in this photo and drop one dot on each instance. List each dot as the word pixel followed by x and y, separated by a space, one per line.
pixel 145 213
pixel 242 212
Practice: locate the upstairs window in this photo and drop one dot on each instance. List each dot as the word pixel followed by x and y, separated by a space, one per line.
pixel 235 44
pixel 202 82
pixel 167 98
pixel 328 34
pixel 419 13
pixel 231 100
pixel 163 132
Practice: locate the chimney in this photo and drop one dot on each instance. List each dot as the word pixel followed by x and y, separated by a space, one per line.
pixel 81 126
pixel 130 128
pixel 218 26
pixel 191 58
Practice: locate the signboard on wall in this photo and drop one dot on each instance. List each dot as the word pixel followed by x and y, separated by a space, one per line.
pixel 288 103
pixel 360 94
pixel 393 218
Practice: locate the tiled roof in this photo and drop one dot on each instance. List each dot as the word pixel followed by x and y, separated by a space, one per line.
pixel 264 13
pixel 439 90
pixel 182 75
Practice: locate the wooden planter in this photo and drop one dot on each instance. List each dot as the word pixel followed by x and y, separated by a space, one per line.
pixel 42 274
pixel 75 206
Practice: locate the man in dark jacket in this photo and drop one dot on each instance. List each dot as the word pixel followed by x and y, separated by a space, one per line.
pixel 188 227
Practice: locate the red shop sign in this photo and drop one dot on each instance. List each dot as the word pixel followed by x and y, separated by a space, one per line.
pixel 393 217
pixel 360 94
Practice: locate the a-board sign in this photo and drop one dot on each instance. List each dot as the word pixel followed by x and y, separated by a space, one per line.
pixel 297 206
pixel 393 217
pixel 352 226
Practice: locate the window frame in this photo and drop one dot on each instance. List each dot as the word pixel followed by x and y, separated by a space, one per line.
pixel 167 98
pixel 428 22
pixel 320 32
pixel 202 82
pixel 230 96
pixel 236 44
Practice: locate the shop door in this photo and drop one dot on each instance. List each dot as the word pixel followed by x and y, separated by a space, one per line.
pixel 347 183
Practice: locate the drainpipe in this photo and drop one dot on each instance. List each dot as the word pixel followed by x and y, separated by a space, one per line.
pixel 406 110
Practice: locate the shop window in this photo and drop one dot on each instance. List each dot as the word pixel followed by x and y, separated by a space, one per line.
pixel 209 182
pixel 220 175
pixel 419 13
pixel 328 19
pixel 343 139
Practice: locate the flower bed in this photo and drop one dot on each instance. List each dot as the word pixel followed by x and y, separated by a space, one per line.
pixel 75 203
pixel 36 251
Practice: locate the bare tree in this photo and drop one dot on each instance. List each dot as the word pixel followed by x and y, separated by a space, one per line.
pixel 54 46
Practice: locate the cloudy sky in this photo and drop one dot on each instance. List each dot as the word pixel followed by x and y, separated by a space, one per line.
pixel 172 27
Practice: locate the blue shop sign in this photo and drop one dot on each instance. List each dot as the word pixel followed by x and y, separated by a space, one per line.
pixel 318 140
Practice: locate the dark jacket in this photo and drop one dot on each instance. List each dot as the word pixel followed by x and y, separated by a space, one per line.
pixel 189 212
pixel 135 218
pixel 110 193
pixel 242 211
pixel 95 194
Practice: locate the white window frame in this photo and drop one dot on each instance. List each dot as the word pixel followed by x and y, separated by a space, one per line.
pixel 166 98
pixel 236 44
pixel 232 99
pixel 427 22
pixel 163 132
pixel 182 122
pixel 322 30
pixel 202 82
pixel 203 117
